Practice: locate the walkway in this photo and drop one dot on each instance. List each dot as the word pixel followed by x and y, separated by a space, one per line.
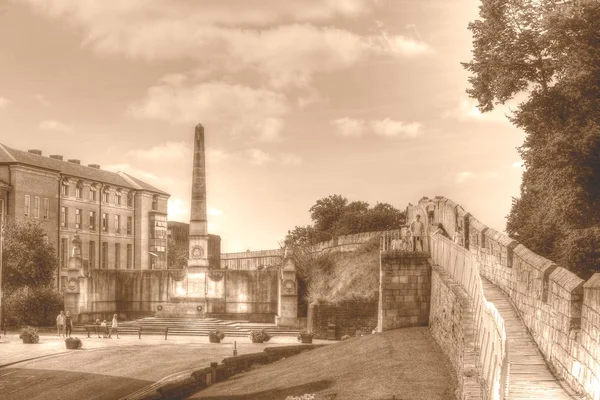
pixel 529 375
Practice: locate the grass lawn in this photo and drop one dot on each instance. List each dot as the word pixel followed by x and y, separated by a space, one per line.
pixel 405 363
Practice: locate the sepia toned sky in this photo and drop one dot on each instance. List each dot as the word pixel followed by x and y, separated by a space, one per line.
pixel 299 100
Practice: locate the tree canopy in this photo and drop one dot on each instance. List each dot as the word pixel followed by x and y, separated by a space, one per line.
pixel 334 216
pixel 29 261
pixel 549 51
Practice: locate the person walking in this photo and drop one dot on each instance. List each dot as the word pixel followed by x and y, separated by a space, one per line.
pixel 430 207
pixel 114 326
pixel 68 324
pixel 417 230
pixel 60 324
pixel 104 329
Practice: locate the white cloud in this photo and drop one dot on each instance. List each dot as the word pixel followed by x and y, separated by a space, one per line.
pixel 56 126
pixel 462 177
pixel 291 159
pixel 148 177
pixel 467 110
pixel 214 211
pixel 42 100
pixel 221 107
pixel 391 128
pixel 178 209
pixel 216 156
pixel 258 38
pixel 4 102
pixel 258 157
pixel 518 164
pixel 168 151
pixel 350 127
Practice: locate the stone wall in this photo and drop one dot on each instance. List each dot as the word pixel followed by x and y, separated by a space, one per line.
pixel 561 311
pixel 405 279
pixel 349 318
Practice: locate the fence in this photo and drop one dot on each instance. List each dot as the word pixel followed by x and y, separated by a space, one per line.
pixel 401 240
pixel 490 332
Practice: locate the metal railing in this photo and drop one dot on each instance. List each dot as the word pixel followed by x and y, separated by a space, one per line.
pixel 402 240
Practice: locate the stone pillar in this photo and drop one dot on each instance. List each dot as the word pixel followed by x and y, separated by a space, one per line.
pixel 198 239
pixel 288 292
pixel 76 281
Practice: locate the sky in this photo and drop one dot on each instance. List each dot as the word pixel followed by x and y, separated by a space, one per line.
pixel 299 100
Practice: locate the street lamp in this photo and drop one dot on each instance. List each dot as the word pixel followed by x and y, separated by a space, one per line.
pixel 1 255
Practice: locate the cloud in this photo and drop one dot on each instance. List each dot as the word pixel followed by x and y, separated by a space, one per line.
pixel 466 110
pixel 148 177
pixel 258 38
pixel 168 151
pixel 217 156
pixel 233 109
pixel 212 211
pixel 291 159
pixel 42 100
pixel 391 128
pixel 350 127
pixel 258 157
pixel 462 177
pixel 4 102
pixel 52 125
pixel 519 164
pixel 178 209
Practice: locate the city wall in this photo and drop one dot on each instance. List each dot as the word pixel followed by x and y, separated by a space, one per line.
pixel 561 311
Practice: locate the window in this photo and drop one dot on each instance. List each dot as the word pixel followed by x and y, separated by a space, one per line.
pixel 118 223
pixel 93 193
pixel 129 225
pixel 104 222
pixel 64 252
pixel 36 207
pixel 92 220
pixel 118 197
pixel 65 188
pixel 92 254
pixel 155 203
pixel 117 255
pixel 46 208
pixel 78 213
pixel 63 217
pixel 104 255
pixel 129 256
pixel 130 199
pixel 1 209
pixel 158 241
pixel 106 194
pixel 27 205
pixel 79 190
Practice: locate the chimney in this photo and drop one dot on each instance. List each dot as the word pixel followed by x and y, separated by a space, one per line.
pixel 74 161
pixel 37 152
pixel 56 157
pixel 94 166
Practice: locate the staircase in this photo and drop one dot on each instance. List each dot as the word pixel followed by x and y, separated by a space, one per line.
pixel 203 326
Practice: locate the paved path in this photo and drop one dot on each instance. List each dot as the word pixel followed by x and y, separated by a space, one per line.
pixel 529 374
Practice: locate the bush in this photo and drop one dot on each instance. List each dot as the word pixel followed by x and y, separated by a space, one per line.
pixel 346 337
pixel 258 336
pixel 33 307
pixel 216 334
pixel 305 334
pixel 30 333
pixel 73 343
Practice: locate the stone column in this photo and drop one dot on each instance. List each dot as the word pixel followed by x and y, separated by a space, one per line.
pixel 288 292
pixel 198 241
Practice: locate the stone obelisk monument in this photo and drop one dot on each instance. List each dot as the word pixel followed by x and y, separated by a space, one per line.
pixel 198 247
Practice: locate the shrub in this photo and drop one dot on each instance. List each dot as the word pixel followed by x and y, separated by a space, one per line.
pixel 216 334
pixel 30 333
pixel 73 343
pixel 37 307
pixel 305 334
pixel 259 335
pixel 346 337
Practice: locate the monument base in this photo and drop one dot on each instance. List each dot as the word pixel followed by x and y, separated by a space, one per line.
pixel 287 321
pixel 186 308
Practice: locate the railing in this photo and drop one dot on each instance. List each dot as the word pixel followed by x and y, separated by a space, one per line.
pixel 402 240
pixel 490 332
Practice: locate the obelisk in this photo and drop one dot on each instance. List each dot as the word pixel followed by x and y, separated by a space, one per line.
pixel 198 255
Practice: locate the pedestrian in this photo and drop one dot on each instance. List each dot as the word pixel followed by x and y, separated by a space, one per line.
pixel 396 242
pixel 114 326
pixel 68 324
pixel 60 323
pixel 97 324
pixel 417 230
pixel 104 329
pixel 430 207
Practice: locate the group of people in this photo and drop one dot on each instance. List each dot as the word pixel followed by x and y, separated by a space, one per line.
pixel 64 326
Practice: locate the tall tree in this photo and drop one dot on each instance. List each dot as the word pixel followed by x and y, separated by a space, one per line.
pixel 550 51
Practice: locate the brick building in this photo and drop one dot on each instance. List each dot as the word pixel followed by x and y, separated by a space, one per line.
pixel 121 220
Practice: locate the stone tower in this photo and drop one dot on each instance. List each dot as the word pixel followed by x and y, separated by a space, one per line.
pixel 198 247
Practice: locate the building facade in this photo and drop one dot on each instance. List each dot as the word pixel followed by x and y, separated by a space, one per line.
pixel 121 220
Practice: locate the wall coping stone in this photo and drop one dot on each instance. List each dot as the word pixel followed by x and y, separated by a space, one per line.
pixel 475 223
pixel 536 261
pixel 501 238
pixel 567 280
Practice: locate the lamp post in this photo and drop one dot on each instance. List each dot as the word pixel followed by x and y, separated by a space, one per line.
pixel 1 255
